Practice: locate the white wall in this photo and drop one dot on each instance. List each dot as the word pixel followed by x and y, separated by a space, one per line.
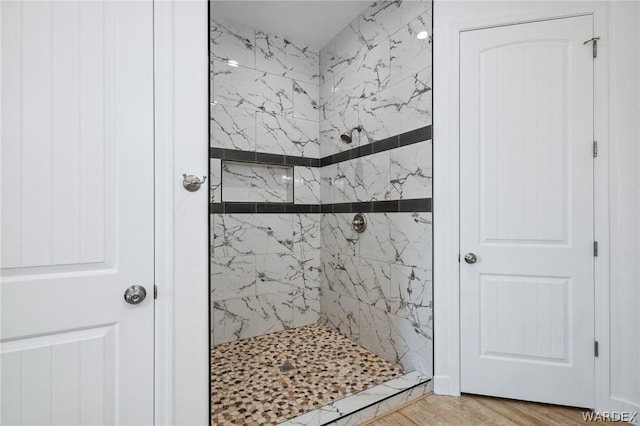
pixel 618 267
pixel 624 210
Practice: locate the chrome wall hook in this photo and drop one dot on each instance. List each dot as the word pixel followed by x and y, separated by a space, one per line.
pixel 191 182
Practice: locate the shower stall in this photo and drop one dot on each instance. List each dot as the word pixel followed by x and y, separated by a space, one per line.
pixel 319 315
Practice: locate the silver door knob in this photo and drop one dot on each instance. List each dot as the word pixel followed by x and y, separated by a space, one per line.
pixel 470 258
pixel 135 294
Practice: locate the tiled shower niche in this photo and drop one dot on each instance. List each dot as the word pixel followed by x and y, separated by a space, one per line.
pixel 246 182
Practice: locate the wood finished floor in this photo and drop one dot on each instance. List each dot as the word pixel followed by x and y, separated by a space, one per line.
pixel 434 409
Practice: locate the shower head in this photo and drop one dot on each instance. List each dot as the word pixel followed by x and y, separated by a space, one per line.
pixel 347 137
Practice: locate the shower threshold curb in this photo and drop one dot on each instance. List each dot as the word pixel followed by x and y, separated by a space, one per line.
pixel 358 408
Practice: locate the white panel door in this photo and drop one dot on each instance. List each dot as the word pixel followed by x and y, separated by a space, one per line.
pixel 526 211
pixel 76 212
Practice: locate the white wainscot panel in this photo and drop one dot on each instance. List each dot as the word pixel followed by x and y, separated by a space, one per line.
pixel 63 378
pixel 524 317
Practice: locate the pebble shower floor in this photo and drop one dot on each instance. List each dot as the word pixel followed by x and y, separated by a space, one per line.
pixel 269 379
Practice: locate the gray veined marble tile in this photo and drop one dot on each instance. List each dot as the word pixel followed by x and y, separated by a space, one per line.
pixel 340 313
pixel 367 281
pixel 312 268
pixel 398 109
pixel 376 334
pixel 233 128
pixel 306 185
pixel 380 399
pixel 339 52
pixel 244 234
pixel 410 55
pixel 412 235
pixel 236 319
pixel 280 56
pixel 327 275
pixel 229 41
pixel 277 134
pixel 306 306
pixel 413 345
pixel 256 182
pixel 410 171
pixel 279 272
pixel 215 176
pixel 411 294
pixel 401 238
pixel 327 174
pixel 337 235
pixel 306 100
pixel 332 128
pixel 363 179
pixel 326 99
pixel 373 73
pixel 383 18
pixel 357 409
pixel 233 277
pixel 375 396
pixel 306 232
pixel 348 95
pixel 346 275
pixel 373 284
pixel 251 89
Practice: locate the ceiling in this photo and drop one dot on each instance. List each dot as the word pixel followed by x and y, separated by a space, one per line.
pixel 309 22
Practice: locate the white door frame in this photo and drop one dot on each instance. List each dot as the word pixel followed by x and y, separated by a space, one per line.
pixel 181 64
pixel 450 19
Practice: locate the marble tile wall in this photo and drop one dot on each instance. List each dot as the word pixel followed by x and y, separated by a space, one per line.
pixel 265 273
pixel 274 271
pixel 377 73
pixel 265 268
pixel 376 286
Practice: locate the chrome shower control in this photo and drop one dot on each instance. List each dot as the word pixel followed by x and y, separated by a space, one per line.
pixel 359 223
pixel 470 258
pixel 135 294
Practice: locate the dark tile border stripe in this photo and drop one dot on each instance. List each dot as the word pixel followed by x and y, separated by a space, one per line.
pixel 224 208
pixel 421 205
pixel 262 158
pixel 414 136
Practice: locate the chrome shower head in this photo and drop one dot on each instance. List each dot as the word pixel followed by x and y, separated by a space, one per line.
pixel 347 137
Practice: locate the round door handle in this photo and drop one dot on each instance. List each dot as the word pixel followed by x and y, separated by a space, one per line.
pixel 135 294
pixel 470 258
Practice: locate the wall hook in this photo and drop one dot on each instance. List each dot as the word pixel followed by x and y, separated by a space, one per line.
pixel 191 182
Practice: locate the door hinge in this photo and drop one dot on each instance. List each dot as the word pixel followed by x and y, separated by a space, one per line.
pixel 458 257
pixel 595 348
pixel 594 40
pixel 595 248
pixel 595 149
pixel 155 291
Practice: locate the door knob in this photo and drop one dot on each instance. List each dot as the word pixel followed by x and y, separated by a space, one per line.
pixel 470 258
pixel 135 294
